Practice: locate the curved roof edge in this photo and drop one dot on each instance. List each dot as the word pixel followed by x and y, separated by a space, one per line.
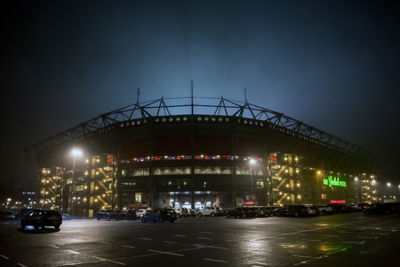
pixel 200 106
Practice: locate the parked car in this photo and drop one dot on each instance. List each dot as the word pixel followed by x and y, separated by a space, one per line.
pixel 272 210
pixel 127 215
pixel 261 211
pixel 42 218
pixel 220 212
pixel 340 208
pixel 178 211
pixel 140 212
pixel 194 212
pixel 325 209
pixel 382 208
pixel 298 210
pixel 242 212
pixel 107 215
pixel 22 213
pixel 208 211
pixel 7 215
pixel 159 215
pixel 185 213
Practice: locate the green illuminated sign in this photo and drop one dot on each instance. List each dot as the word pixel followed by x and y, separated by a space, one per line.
pixel 334 181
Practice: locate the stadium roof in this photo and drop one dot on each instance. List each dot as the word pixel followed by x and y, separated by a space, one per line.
pixel 188 106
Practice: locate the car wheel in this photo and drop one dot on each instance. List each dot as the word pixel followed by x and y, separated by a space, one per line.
pixel 98 218
pixel 22 226
pixel 200 214
pixel 212 214
pixel 296 214
pixel 142 220
pixel 57 226
pixel 172 221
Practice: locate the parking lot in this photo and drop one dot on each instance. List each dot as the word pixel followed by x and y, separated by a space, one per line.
pixel 339 240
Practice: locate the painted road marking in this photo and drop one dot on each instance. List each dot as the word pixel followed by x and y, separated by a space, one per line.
pixel 180 235
pixel 170 242
pixel 330 235
pixel 22 265
pixel 126 246
pixel 211 233
pixel 205 238
pixel 73 251
pixel 308 257
pixel 103 259
pixel 313 240
pixel 4 257
pixel 302 262
pixel 105 242
pixel 293 233
pixel 166 252
pixel 368 237
pixel 54 246
pixel 354 242
pixel 207 259
pixel 145 238
pixel 207 246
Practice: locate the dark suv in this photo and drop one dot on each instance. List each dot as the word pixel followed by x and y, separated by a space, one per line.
pixel 107 215
pixel 242 212
pixel 159 215
pixel 42 218
pixel 298 210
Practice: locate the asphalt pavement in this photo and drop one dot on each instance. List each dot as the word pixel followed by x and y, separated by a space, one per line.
pixel 337 240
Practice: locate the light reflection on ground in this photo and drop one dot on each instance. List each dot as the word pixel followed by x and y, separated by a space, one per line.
pixel 293 245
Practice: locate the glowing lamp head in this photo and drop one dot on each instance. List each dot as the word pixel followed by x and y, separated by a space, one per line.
pixel 76 152
pixel 318 172
pixel 253 161
pixel 356 179
pixel 373 182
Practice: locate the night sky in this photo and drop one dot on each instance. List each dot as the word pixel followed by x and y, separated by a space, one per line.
pixel 331 64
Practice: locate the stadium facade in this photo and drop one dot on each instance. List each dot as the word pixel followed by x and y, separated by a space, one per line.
pixel 198 152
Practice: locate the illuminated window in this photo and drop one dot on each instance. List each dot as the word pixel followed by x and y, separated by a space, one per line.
pixel 172 171
pixel 212 170
pixel 138 198
pixel 249 171
pixel 260 184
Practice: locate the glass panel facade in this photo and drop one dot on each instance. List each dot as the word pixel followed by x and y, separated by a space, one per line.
pixel 172 171
pixel 135 172
pixel 212 170
pixel 247 171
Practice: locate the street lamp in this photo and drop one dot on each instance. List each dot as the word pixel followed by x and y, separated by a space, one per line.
pixel 252 163
pixel 356 187
pixel 76 153
pixel 317 188
pixel 388 184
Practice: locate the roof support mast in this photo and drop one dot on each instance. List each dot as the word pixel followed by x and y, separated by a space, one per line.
pixel 191 89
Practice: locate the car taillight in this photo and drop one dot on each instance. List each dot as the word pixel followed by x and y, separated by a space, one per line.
pixel 168 214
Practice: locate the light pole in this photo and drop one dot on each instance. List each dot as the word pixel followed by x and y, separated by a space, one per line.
pixel 252 163
pixel 317 191
pixel 356 187
pixel 75 153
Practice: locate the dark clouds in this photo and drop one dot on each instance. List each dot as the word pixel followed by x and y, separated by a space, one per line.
pixel 331 64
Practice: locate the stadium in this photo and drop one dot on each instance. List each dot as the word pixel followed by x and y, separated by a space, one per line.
pixel 197 152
